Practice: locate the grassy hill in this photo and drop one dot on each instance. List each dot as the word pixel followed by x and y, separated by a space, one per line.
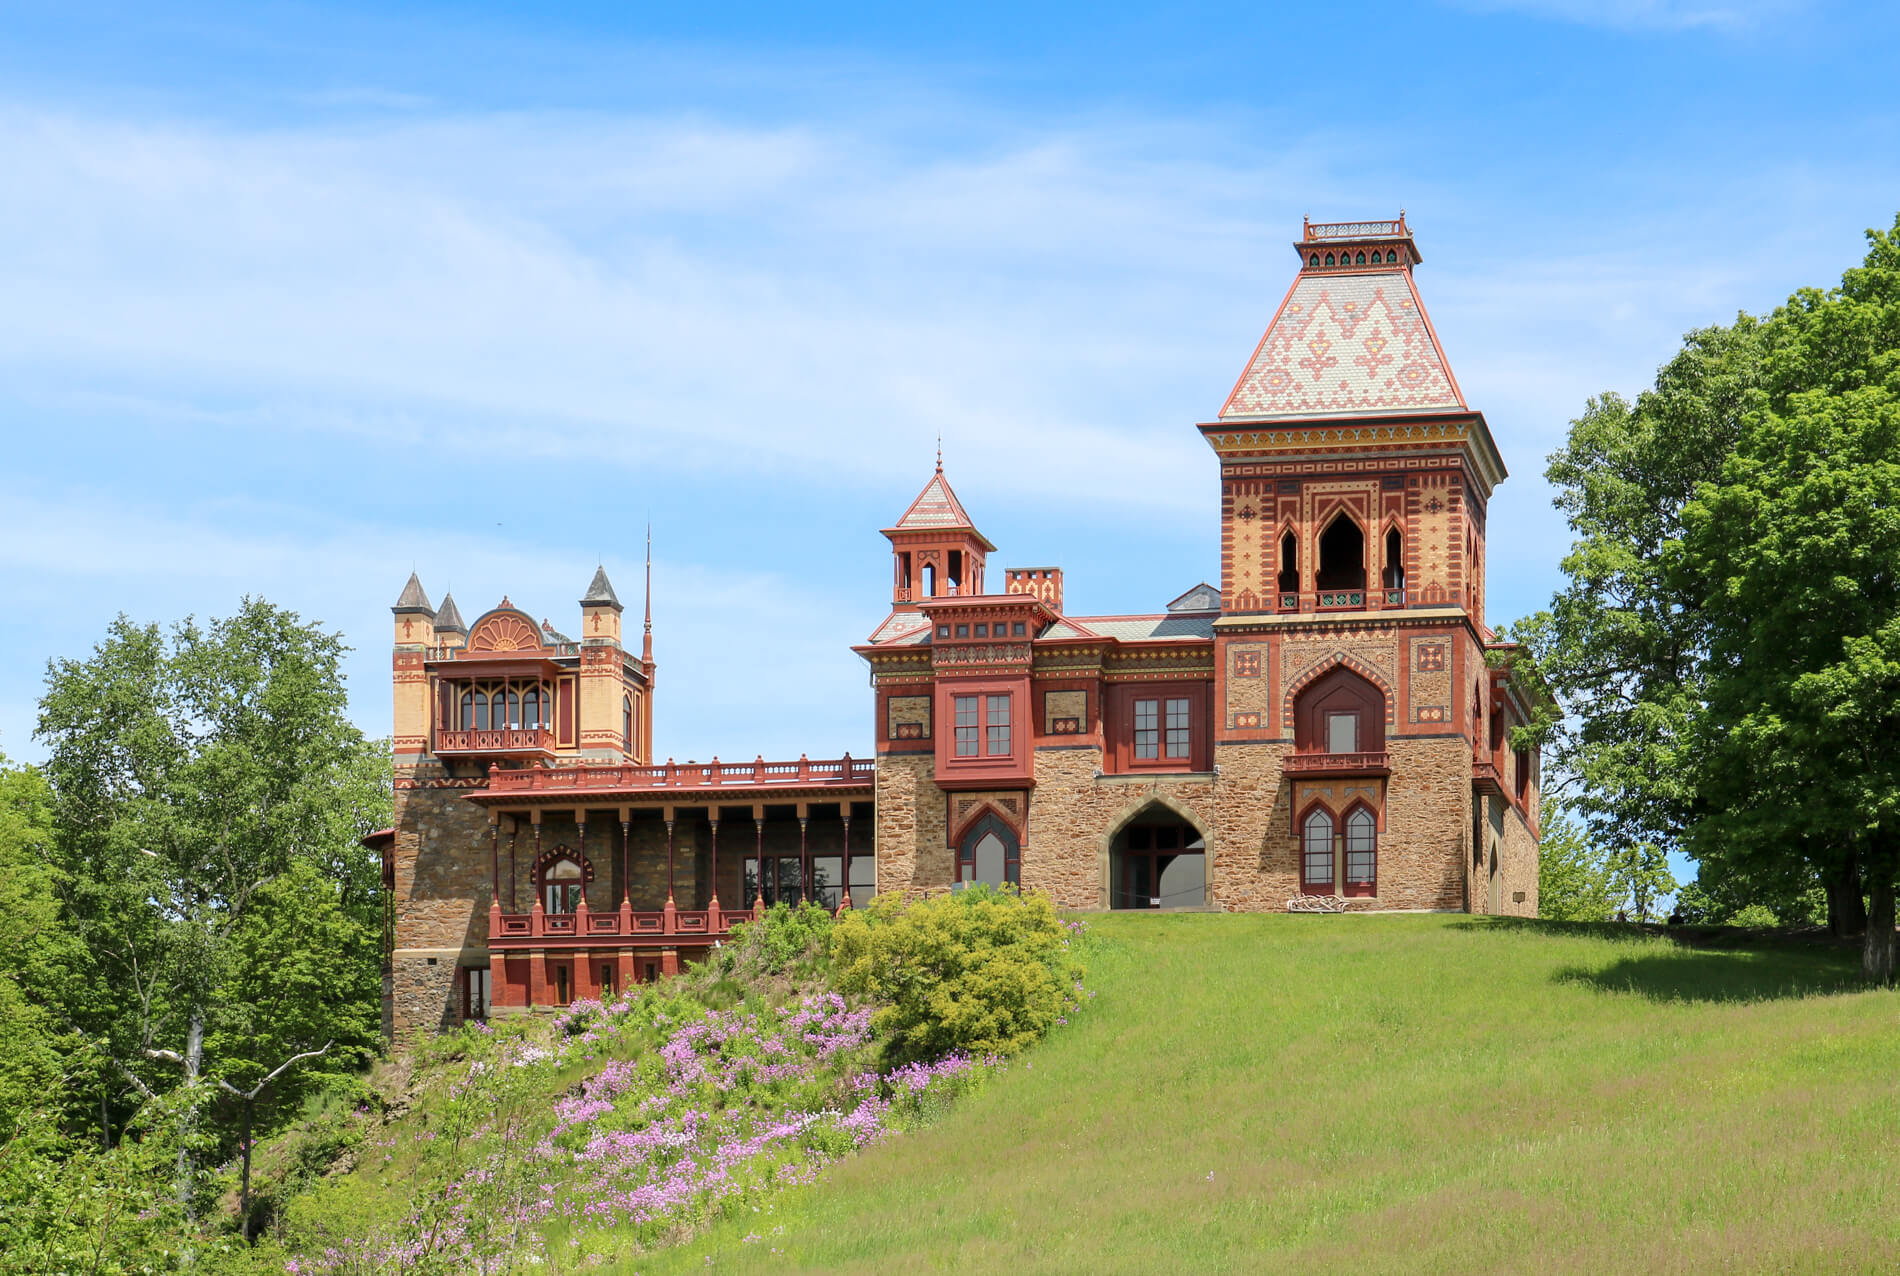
pixel 1394 1093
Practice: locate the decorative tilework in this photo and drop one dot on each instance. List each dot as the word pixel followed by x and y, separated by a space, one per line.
pixel 1346 344
pixel 1431 656
pixel 910 717
pixel 1060 707
pixel 1246 664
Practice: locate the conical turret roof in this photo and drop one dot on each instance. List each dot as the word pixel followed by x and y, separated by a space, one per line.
pixel 449 618
pixel 937 509
pixel 413 599
pixel 601 591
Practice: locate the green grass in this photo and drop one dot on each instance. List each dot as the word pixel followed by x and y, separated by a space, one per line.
pixel 1275 1093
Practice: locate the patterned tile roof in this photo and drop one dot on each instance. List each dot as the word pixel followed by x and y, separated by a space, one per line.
pixel 1345 344
pixel 1133 628
pixel 935 507
pixel 901 624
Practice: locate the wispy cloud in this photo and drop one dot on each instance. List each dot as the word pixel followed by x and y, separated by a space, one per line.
pixel 1648 15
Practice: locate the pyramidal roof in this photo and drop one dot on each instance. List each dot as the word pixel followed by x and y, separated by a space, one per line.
pixel 450 617
pixel 938 509
pixel 413 599
pixel 601 590
pixel 1351 338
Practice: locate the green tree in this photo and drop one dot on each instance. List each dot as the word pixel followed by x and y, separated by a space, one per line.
pixel 1623 642
pixel 1795 549
pixel 189 775
pixel 1573 882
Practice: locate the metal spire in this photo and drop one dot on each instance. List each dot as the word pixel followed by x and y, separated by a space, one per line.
pixel 646 641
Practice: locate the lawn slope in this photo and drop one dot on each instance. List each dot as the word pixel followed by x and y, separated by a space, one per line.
pixel 1394 1093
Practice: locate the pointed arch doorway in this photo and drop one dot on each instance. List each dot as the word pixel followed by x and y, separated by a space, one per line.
pixel 1157 860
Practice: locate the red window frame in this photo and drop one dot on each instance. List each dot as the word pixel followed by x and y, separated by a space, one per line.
pixel 1360 835
pixel 1327 847
pixel 983 721
pixel 1160 727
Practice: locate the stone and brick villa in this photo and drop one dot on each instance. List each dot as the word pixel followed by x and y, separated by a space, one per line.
pixel 1332 720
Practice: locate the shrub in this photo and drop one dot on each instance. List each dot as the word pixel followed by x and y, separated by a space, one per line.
pixel 984 970
pixel 787 936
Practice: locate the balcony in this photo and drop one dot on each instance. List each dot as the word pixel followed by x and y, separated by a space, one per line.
pixel 846 772
pixel 1341 599
pixel 622 928
pixel 508 742
pixel 1484 779
pixel 1319 764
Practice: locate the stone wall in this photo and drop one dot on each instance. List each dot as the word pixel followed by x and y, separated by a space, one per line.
pixel 1073 817
pixel 440 910
pixel 911 855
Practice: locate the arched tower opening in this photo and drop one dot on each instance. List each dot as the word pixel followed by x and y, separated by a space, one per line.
pixel 1157 860
pixel 1342 555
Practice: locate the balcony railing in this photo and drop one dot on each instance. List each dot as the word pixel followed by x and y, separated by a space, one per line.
pixel 526 930
pixel 1343 598
pixel 1395 598
pixel 841 772
pixel 1338 763
pixel 1289 602
pixel 505 740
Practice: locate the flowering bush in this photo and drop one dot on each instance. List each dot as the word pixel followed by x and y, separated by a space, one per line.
pixel 984 970
pixel 691 1113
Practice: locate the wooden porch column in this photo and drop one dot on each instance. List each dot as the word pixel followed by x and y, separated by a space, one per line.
pixel 535 912
pixel 626 890
pixel 514 873
pixel 580 908
pixel 494 895
pixel 758 898
pixel 844 898
pixel 712 903
pixel 671 908
pixel 804 851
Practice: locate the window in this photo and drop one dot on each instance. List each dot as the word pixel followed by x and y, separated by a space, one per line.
pixel 1316 871
pixel 1392 255
pixel 1394 559
pixel 1342 733
pixel 465 721
pixel 476 999
pixel 1177 728
pixel 532 714
pixel 982 631
pixel 563 986
pixel 966 726
pixel 989 853
pixel 481 711
pixel 1362 853
pixel 1314 260
pixel 981 727
pixel 626 723
pixel 943 631
pixel 1289 580
pixel 1329 259
pixel 1342 556
pixel 930 580
pixel 963 631
pixel 1359 259
pixel 606 980
pixel 561 886
pixel 510 717
pixel 1147 728
pixel 1016 629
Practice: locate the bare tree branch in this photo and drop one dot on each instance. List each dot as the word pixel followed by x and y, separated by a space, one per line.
pixel 251 1094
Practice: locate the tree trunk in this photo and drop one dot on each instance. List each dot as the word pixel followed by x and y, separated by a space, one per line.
pixel 1846 909
pixel 1877 957
pixel 188 1123
pixel 244 1180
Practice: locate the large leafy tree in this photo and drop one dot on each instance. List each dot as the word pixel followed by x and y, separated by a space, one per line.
pixel 208 792
pixel 1797 551
pixel 1623 642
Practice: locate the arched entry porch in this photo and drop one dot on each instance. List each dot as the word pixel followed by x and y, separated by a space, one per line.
pixel 1157 860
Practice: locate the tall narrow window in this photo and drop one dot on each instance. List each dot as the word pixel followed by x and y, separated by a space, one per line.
pixel 1394 559
pixel 1342 733
pixel 476 996
pixel 954 577
pixel 930 580
pixel 1289 564
pixel 531 715
pixel 1178 732
pixel 903 571
pixel 481 711
pixel 1147 728
pixel 966 726
pixel 466 720
pixel 997 711
pixel 1362 853
pixel 511 715
pixel 1316 871
pixel 626 723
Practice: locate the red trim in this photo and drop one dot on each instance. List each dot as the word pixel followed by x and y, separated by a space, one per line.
pixel 1308 886
pixel 1360 891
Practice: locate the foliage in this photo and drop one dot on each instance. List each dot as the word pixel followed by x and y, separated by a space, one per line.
pixel 615 1127
pixel 1573 881
pixel 207 795
pixel 1795 546
pixel 1622 644
pixel 785 937
pixel 983 970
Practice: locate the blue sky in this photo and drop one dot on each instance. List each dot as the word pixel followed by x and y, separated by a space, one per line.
pixel 296 298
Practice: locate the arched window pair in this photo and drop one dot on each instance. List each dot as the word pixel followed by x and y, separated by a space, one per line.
pixel 1320 849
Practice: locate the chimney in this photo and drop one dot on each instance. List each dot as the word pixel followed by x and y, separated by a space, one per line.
pixel 1038 582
